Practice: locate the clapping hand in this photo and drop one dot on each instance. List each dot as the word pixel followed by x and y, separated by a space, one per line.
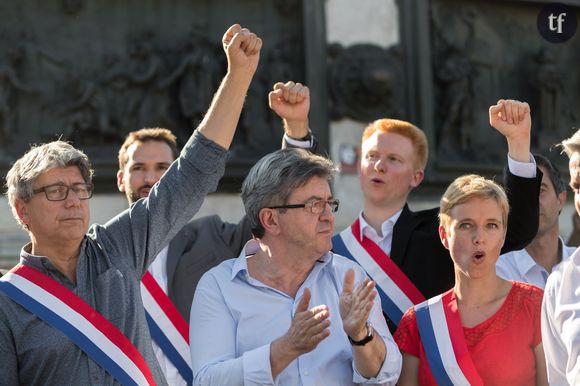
pixel 356 305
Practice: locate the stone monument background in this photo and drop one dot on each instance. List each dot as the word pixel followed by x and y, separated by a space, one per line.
pixel 92 71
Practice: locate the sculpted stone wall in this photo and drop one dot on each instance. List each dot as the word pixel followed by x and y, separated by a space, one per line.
pixel 91 71
pixel 463 57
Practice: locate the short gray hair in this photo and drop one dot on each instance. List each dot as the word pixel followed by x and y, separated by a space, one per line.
pixel 272 180
pixel 37 160
pixel 571 145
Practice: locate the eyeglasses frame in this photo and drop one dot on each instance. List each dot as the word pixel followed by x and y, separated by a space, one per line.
pixel 310 204
pixel 89 185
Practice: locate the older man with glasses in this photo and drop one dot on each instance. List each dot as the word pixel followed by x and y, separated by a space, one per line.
pixel 71 311
pixel 287 311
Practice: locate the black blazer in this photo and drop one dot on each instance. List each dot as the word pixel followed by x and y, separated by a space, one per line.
pixel 201 245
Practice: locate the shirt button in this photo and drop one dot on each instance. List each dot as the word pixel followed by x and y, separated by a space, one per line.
pixel 306 373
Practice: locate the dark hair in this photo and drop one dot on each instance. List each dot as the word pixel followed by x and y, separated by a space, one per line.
pixel 147 134
pixel 553 173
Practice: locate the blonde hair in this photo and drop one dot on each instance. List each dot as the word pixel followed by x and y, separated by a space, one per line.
pixel 467 187
pixel 407 130
pixel 571 145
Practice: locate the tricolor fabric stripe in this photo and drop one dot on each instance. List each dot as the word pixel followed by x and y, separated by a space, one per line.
pixel 168 328
pixel 88 329
pixel 444 342
pixel 396 291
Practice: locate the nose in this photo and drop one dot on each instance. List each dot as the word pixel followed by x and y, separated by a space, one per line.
pixel 72 199
pixel 478 237
pixel 151 177
pixel 380 165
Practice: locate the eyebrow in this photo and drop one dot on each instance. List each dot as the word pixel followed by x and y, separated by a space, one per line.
pixel 471 220
pixel 156 163
pixel 317 198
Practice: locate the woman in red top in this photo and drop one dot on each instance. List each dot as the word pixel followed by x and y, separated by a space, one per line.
pixel 485 330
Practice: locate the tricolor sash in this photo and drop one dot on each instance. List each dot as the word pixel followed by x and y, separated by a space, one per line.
pixel 87 328
pixel 168 328
pixel 396 290
pixel 443 339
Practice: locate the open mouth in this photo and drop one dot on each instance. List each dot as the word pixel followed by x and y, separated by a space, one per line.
pixel 377 181
pixel 478 256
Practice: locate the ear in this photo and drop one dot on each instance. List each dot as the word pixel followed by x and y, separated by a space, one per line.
pixel 269 218
pixel 22 211
pixel 562 200
pixel 417 178
pixel 120 184
pixel 443 236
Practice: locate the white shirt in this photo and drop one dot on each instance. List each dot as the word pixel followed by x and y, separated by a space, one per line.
pixel 561 323
pixel 520 266
pixel 385 241
pixel 159 271
pixel 234 319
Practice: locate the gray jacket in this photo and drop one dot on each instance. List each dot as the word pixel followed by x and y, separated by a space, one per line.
pixel 112 260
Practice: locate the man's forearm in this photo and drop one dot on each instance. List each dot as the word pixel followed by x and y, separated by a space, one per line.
pixel 221 120
pixel 280 356
pixel 368 359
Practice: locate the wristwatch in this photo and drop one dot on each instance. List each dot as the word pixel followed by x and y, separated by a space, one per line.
pixel 364 340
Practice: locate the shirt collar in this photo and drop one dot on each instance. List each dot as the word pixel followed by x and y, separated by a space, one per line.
pixel 524 262
pixel 386 227
pixel 252 247
pixel 43 263
pixel 575 257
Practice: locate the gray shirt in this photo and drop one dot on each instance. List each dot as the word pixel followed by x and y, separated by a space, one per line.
pixel 112 260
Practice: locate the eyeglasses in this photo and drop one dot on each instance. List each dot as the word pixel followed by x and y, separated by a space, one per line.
pixel 314 207
pixel 59 192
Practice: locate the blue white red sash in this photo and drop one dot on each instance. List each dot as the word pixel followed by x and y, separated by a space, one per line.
pixel 397 292
pixel 443 339
pixel 87 328
pixel 168 328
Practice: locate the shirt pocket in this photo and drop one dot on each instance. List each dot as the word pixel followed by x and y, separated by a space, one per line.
pixel 112 294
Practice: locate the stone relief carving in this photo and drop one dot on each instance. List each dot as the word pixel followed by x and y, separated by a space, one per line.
pixel 85 113
pixel 548 82
pixel 461 57
pixel 72 7
pixel 196 77
pixel 11 85
pixel 365 82
pixel 455 76
pixel 91 76
pixel 288 7
pixel 480 54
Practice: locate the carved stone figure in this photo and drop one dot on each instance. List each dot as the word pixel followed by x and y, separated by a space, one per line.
pixel 365 82
pixel 196 76
pixel 549 84
pixel 86 115
pixel 10 84
pixel 135 78
pixel 456 107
